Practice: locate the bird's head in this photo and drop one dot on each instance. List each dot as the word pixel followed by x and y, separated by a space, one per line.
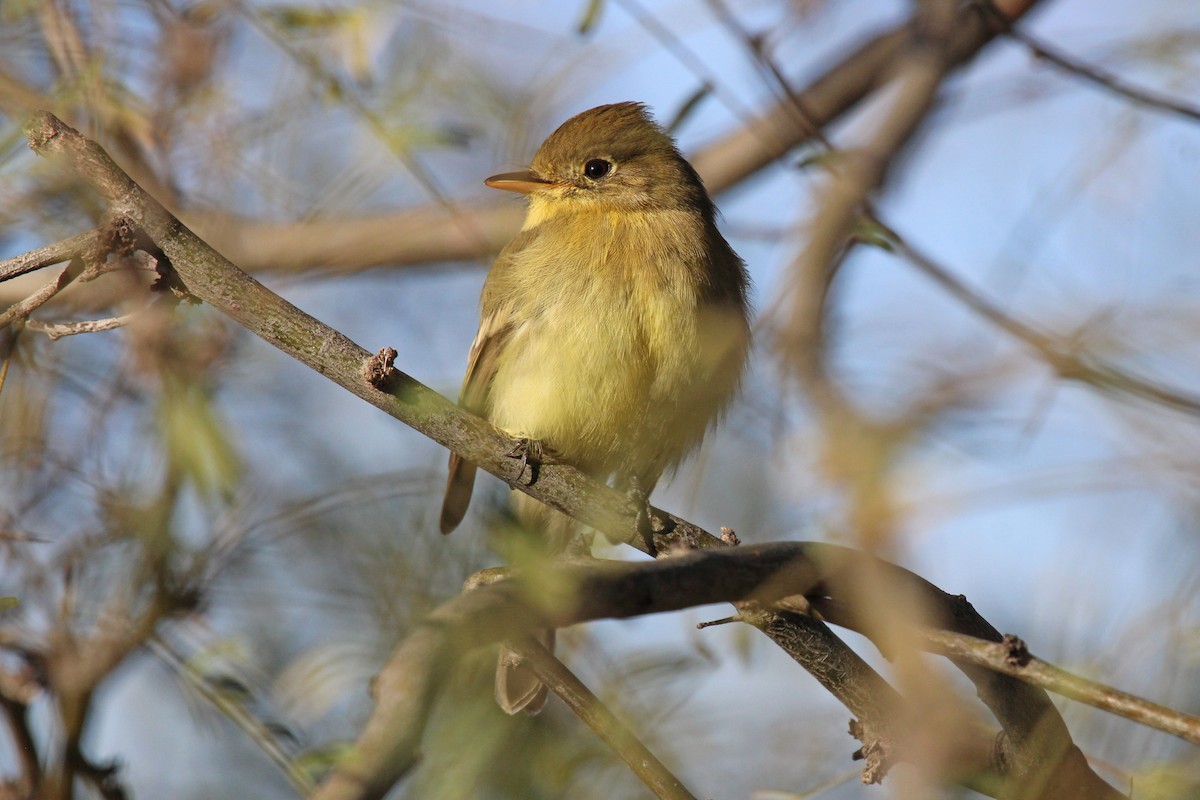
pixel 609 158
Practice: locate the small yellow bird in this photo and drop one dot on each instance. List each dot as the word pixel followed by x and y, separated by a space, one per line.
pixel 613 328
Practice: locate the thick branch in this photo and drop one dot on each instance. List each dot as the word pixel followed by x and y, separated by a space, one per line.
pixel 500 611
pixel 387 746
pixel 1044 754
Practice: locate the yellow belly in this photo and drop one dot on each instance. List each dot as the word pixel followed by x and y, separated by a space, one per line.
pixel 628 389
pixel 613 361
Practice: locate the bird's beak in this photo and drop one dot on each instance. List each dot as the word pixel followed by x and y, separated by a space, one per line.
pixel 523 182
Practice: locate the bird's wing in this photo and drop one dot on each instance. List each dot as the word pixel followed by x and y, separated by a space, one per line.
pixel 494 331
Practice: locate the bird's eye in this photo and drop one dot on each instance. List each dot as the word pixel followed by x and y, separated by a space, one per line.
pixel 597 168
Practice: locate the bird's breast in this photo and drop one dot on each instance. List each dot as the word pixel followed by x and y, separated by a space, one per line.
pixel 606 341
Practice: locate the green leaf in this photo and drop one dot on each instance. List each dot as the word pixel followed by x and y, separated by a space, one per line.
pixel 1168 782
pixel 689 106
pixel 591 17
pixel 819 157
pixel 196 439
pixel 300 18
pixel 9 603
pixel 315 763
pixel 867 231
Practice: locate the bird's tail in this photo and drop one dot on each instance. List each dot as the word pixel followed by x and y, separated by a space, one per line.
pixel 459 485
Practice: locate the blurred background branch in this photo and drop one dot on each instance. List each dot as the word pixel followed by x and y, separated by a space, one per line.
pixel 168 473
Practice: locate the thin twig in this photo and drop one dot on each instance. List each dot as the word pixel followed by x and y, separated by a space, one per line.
pixel 756 48
pixel 8 345
pixel 499 610
pixel 428 234
pixel 18 312
pixel 78 661
pixel 601 720
pixel 347 95
pixel 82 245
pixel 1011 658
pixel 1057 353
pixel 254 728
pixel 1066 361
pixel 57 330
pixel 1091 73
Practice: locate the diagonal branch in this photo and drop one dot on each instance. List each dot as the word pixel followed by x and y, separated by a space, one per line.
pixel 19 312
pixel 1011 657
pixel 1056 352
pixel 1097 76
pixel 255 729
pixel 81 246
pixel 603 722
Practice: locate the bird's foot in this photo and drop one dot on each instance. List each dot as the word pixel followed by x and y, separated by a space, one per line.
pixel 647 523
pixel 532 453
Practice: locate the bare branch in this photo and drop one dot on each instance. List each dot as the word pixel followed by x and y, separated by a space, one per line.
pixel 63 40
pixel 18 312
pixel 601 720
pixel 1064 359
pixel 1060 355
pixel 346 93
pixel 76 665
pixel 82 246
pixel 15 696
pixel 57 330
pixel 212 278
pixel 1097 76
pixel 432 234
pixel 1036 742
pixel 1011 657
pixel 236 713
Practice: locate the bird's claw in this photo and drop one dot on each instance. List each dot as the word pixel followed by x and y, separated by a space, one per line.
pixel 532 454
pixel 640 498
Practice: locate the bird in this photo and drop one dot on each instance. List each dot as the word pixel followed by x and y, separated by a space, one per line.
pixel 614 327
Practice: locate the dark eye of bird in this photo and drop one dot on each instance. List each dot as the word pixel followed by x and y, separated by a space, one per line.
pixel 597 168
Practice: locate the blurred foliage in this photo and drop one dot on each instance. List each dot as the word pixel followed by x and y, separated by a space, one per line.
pixel 290 528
